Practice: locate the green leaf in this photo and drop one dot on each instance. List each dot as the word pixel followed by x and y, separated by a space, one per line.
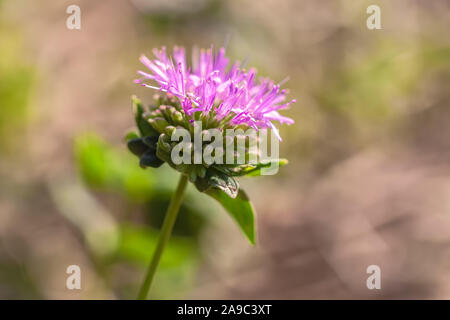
pixel 150 159
pixel 137 146
pixel 225 183
pixel 144 127
pixel 254 169
pixel 110 169
pixel 131 135
pixel 215 179
pixel 151 141
pixel 240 208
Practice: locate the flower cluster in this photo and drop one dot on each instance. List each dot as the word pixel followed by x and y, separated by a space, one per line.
pixel 216 90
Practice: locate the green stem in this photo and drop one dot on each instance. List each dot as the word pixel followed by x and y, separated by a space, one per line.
pixel 164 236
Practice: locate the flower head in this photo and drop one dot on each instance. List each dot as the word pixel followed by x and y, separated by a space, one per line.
pixel 214 89
pixel 214 109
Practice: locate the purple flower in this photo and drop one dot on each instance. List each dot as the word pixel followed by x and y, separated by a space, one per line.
pixel 210 86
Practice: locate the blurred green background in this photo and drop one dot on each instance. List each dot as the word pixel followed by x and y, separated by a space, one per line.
pixel 368 180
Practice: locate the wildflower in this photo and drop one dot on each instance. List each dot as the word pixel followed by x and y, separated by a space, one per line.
pixel 206 100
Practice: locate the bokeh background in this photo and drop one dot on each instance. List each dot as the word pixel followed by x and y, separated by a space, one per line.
pixel 368 180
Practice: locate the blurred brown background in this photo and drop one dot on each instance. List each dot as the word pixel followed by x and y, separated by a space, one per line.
pixel 368 180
